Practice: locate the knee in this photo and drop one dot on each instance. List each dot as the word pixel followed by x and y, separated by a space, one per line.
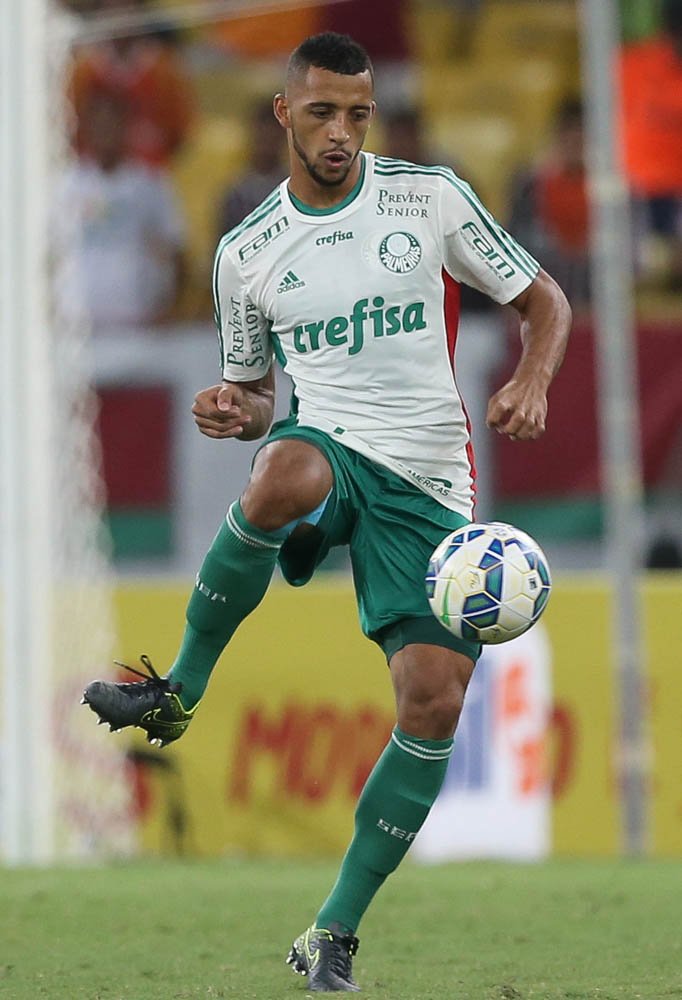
pixel 289 479
pixel 430 686
pixel 432 715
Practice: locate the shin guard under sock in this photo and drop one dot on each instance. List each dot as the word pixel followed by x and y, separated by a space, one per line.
pixel 231 582
pixel 391 809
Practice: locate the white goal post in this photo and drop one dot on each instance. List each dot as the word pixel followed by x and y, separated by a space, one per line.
pixel 25 764
pixel 63 793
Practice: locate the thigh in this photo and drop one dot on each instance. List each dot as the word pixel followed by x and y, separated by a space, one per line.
pixel 390 551
pixel 332 524
pixel 288 479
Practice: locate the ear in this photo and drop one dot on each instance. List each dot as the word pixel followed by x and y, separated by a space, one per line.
pixel 281 108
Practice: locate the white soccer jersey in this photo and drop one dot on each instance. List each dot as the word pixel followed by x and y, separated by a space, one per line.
pixel 360 304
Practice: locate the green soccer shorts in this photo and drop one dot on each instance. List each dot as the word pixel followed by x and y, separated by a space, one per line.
pixel 391 528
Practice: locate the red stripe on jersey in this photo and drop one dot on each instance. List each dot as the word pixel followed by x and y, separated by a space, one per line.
pixel 451 301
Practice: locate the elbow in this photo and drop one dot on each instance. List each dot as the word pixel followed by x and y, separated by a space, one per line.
pixel 563 309
pixel 562 305
pixel 547 297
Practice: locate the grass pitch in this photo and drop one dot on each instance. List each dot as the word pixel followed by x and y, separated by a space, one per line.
pixel 166 930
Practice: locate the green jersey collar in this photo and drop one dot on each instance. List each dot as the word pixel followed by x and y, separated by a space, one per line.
pixel 350 197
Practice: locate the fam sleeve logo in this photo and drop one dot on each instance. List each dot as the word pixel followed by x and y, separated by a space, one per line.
pixel 484 250
pixel 259 242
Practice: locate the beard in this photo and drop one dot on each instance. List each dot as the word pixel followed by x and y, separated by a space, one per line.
pixel 313 171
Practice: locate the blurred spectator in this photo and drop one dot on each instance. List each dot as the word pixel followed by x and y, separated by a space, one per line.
pixel 382 26
pixel 263 172
pixel 651 77
pixel 118 234
pixel 268 34
pixel 639 18
pixel 549 206
pixel 404 135
pixel 148 72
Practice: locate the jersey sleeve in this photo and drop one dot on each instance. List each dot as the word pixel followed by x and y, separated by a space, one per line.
pixel 478 251
pixel 243 331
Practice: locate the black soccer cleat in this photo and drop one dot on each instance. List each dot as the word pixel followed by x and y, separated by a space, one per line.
pixel 326 958
pixel 152 704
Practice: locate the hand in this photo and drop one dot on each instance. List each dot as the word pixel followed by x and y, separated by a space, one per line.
pixel 519 411
pixel 218 411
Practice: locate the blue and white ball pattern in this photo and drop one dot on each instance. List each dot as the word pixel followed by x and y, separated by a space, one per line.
pixel 488 583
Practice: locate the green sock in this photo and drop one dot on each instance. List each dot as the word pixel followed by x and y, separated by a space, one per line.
pixel 391 809
pixel 231 582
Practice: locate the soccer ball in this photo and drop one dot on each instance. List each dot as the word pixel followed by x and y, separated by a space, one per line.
pixel 488 583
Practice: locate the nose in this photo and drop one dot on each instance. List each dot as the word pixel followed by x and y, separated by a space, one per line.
pixel 338 130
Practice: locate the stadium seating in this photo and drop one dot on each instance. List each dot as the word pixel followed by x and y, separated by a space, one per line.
pixel 526 28
pixel 490 113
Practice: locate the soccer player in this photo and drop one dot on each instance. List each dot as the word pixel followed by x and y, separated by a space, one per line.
pixel 349 275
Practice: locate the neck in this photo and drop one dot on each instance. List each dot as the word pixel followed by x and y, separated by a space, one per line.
pixel 317 195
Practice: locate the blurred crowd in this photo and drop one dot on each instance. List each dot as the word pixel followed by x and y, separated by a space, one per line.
pixel 146 114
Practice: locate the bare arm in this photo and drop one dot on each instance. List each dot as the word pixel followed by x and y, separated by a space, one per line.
pixel 240 410
pixel 519 408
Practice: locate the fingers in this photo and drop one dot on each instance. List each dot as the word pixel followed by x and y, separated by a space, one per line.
pixel 224 399
pixel 515 422
pixel 217 414
pixel 218 405
pixel 205 402
pixel 221 428
pixel 520 429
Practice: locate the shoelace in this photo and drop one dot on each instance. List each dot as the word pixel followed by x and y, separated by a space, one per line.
pixel 151 676
pixel 342 950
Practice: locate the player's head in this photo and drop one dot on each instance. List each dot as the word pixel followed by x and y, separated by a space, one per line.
pixel 328 105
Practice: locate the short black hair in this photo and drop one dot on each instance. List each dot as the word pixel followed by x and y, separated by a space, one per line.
pixel 331 51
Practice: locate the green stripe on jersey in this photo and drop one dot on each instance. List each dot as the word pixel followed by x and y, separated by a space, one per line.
pixel 265 207
pixel 268 205
pixel 521 257
pixel 277 348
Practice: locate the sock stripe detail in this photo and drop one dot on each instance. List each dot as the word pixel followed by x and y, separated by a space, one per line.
pixel 245 537
pixel 424 753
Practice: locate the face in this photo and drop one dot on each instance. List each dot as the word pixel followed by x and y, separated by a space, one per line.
pixel 327 116
pixel 571 144
pixel 105 131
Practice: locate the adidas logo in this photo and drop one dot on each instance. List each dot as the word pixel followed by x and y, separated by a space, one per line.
pixel 289 282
